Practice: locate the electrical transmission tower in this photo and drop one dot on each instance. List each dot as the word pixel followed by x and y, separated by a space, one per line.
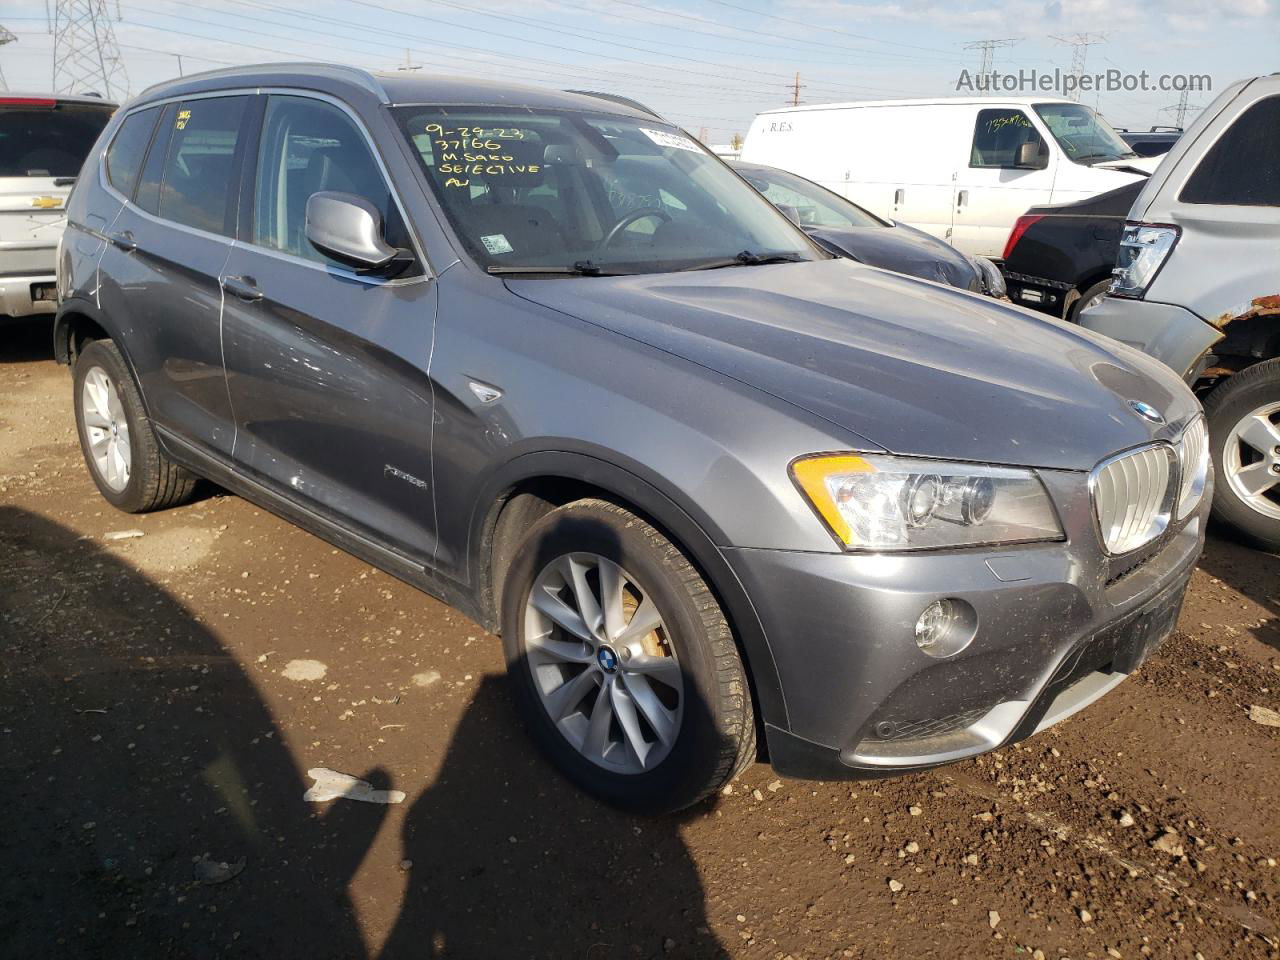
pixel 1180 110
pixel 6 36
pixel 1080 44
pixel 85 54
pixel 988 50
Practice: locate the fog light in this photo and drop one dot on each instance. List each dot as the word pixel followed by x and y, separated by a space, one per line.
pixel 945 627
pixel 934 624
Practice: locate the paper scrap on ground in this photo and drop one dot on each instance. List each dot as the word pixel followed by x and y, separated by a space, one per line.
pixel 1264 715
pixel 304 670
pixel 211 872
pixel 331 785
pixel 123 535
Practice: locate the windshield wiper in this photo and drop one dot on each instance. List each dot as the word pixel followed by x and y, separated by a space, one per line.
pixel 581 268
pixel 748 259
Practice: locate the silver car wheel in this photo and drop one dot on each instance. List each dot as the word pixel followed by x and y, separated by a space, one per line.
pixel 603 664
pixel 1251 460
pixel 106 429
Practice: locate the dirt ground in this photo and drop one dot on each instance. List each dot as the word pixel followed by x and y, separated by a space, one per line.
pixel 163 696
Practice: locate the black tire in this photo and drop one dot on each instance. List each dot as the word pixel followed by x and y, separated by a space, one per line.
pixel 1225 407
pixel 716 738
pixel 155 482
pixel 1102 286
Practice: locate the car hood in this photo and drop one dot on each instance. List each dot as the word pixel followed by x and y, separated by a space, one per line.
pixel 910 367
pixel 1143 166
pixel 900 248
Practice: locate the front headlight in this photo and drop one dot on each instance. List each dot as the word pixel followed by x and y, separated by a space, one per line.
pixel 899 503
pixel 1143 251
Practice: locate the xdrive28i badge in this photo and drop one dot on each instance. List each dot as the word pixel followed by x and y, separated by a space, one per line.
pixel 1146 411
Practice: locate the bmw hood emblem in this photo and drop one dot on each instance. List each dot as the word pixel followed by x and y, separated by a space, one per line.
pixel 1146 411
pixel 607 659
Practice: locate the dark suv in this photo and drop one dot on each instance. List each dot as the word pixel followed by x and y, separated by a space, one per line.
pixel 544 356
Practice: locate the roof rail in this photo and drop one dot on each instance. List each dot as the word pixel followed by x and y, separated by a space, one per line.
pixel 337 71
pixel 616 98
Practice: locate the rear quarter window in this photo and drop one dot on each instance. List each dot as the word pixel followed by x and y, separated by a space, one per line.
pixel 124 156
pixel 48 138
pixel 1243 167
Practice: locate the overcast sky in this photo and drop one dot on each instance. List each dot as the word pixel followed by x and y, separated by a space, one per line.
pixel 704 63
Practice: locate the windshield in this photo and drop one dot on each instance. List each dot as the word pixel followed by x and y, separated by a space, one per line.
pixel 815 206
pixel 548 191
pixel 1083 135
pixel 48 138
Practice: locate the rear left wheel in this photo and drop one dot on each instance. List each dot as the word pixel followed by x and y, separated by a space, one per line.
pixel 120 448
pixel 622 661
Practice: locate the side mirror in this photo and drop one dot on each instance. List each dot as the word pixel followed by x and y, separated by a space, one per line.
pixel 790 212
pixel 1029 156
pixel 349 229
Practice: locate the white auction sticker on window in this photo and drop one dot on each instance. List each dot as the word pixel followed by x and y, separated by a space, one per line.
pixel 664 139
pixel 496 243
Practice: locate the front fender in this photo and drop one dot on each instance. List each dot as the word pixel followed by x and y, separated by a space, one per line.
pixel 686 525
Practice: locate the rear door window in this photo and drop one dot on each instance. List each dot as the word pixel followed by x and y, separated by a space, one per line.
pixel 200 166
pixel 997 136
pixel 1243 167
pixel 125 155
pixel 48 137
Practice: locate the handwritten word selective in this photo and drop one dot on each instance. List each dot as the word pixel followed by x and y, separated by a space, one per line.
pixel 467 152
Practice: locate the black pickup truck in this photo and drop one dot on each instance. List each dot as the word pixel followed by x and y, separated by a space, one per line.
pixel 1058 259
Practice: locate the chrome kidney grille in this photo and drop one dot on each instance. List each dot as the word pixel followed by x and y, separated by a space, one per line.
pixel 1133 496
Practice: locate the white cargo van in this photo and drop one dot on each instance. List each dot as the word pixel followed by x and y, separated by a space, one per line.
pixel 964 169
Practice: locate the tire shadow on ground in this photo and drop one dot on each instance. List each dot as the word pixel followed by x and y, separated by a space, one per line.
pixel 1252 573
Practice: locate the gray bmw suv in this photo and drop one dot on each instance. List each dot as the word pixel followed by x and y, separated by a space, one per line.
pixel 542 355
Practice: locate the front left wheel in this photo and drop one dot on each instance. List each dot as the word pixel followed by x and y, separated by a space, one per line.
pixel 120 448
pixel 622 662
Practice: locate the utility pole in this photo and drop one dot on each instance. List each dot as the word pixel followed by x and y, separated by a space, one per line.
pixel 1080 44
pixel 6 36
pixel 795 90
pixel 85 54
pixel 1180 110
pixel 987 49
pixel 408 62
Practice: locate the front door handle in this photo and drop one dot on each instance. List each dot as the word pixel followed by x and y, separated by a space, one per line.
pixel 962 198
pixel 124 240
pixel 246 288
pixel 898 196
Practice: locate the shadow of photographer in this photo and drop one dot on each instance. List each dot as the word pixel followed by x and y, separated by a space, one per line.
pixel 133 746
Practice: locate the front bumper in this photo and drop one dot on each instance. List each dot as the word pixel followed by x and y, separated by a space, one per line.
pixel 26 296
pixel 1059 625
pixel 1172 334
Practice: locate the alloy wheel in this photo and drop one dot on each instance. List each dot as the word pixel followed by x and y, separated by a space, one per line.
pixel 106 429
pixel 603 664
pixel 1251 460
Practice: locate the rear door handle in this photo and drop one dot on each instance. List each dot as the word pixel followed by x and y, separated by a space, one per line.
pixel 898 196
pixel 962 198
pixel 246 288
pixel 124 240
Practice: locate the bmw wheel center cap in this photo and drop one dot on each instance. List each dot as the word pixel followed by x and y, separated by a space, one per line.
pixel 607 659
